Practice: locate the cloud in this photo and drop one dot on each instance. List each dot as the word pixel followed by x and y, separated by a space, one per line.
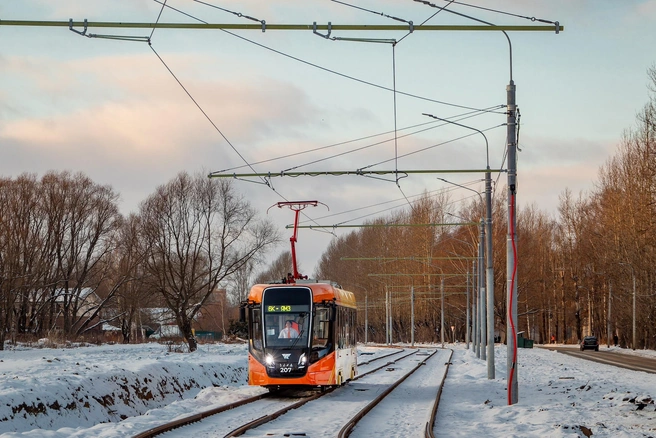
pixel 646 9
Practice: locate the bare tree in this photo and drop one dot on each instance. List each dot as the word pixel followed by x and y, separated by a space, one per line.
pixel 198 232
pixel 82 217
pixel 127 281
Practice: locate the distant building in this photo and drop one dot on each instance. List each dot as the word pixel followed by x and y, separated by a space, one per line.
pixel 208 324
pixel 88 300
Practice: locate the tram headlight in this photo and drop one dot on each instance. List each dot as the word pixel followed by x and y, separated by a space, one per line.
pixel 268 359
pixel 302 361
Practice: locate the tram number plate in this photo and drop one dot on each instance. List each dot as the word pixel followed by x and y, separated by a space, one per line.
pixel 285 368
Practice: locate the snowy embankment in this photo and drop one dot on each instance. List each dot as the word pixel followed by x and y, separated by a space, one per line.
pixel 51 388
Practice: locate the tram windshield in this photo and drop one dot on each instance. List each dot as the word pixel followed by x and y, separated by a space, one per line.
pixel 286 329
pixel 286 317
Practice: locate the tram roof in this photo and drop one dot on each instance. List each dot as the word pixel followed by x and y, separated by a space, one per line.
pixel 320 292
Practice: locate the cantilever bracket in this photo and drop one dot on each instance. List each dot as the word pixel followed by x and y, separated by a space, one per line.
pixel 70 27
pixel 314 30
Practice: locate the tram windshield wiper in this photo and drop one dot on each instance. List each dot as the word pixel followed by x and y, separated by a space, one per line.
pixel 301 323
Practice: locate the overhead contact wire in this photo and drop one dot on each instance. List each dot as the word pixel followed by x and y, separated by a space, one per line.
pixel 362 81
pixel 396 138
pixel 541 20
pixel 209 119
pixel 459 117
pixel 430 147
pixel 427 20
pixel 157 21
pixel 376 144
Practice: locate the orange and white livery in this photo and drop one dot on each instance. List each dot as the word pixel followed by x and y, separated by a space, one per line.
pixel 324 351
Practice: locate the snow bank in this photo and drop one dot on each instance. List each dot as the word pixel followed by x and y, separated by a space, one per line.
pixel 52 388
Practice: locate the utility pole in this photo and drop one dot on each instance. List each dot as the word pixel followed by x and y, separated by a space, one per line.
pixel 481 297
pixel 442 311
pixel 511 247
pixel 489 275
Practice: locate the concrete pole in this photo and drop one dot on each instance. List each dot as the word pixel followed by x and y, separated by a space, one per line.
pixel 366 318
pixel 479 283
pixel 442 312
pixel 634 308
pixel 412 316
pixel 467 324
pixel 489 284
pixel 473 306
pixel 608 326
pixel 387 317
pixel 481 300
pixel 511 261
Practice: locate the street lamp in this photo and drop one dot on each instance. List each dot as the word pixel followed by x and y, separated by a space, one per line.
pixel 511 249
pixel 634 303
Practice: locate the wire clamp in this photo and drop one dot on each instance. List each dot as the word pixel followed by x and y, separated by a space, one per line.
pixel 263 25
pixel 557 27
pixel 412 26
pixel 314 30
pixel 70 27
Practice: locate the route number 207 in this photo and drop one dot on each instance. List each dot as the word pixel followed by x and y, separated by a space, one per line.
pixel 285 368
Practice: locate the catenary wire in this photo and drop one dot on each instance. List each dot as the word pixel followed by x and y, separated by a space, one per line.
pixel 383 142
pixel 264 181
pixel 431 193
pixel 433 146
pixel 300 60
pixel 458 117
pixel 205 114
pixel 502 12
pixel 362 81
pixel 157 21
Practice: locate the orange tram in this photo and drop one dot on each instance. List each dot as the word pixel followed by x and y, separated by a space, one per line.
pixel 301 334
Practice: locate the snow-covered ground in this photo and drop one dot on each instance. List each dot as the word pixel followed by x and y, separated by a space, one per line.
pixel 121 390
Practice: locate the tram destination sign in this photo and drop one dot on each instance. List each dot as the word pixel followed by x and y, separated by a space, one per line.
pixel 287 308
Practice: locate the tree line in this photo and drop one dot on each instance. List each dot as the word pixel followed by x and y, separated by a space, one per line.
pixel 62 236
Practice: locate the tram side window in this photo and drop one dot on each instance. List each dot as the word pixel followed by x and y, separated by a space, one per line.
pixel 341 327
pixel 354 317
pixel 347 327
pixel 321 335
pixel 256 328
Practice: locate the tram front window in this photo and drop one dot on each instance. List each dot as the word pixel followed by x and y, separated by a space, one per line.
pixel 286 329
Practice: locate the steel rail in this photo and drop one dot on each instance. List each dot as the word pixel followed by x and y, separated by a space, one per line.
pixel 270 417
pixel 167 427
pixel 345 431
pixel 431 422
pixel 197 417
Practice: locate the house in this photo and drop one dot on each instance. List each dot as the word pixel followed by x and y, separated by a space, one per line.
pixel 87 302
pixel 209 323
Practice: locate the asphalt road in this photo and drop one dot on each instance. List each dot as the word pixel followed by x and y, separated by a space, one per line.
pixel 629 361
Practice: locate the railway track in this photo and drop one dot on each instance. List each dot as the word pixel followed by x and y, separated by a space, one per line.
pixel 360 408
pixel 407 406
pixel 264 407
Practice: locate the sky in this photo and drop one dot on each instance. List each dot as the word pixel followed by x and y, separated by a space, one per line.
pixel 557 394
pixel 134 115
